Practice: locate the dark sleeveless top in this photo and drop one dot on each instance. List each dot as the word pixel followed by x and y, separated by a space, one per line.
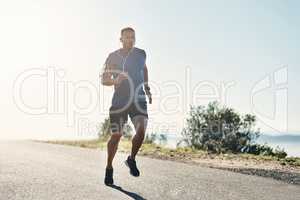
pixel 131 89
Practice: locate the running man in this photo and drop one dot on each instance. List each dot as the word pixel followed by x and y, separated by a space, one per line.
pixel 126 70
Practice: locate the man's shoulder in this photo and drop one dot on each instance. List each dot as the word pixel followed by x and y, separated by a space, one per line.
pixel 141 51
pixel 114 52
pixel 117 52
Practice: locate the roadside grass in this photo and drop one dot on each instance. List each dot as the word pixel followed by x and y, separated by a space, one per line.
pixel 180 153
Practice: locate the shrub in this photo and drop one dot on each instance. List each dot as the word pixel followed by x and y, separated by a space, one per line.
pixel 258 149
pixel 150 139
pixel 280 153
pixel 105 131
pixel 265 150
pixel 218 129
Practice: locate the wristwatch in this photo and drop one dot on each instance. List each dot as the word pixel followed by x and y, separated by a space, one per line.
pixel 147 88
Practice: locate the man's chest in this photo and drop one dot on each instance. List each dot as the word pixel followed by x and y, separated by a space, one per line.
pixel 131 64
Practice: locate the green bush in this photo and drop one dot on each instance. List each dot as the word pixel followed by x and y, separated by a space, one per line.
pixel 265 150
pixel 105 131
pixel 221 130
pixel 280 153
pixel 218 129
pixel 258 149
pixel 150 139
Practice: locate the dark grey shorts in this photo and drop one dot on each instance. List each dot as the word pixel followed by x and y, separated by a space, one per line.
pixel 118 116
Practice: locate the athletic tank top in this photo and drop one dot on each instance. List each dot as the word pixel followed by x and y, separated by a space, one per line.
pixel 131 89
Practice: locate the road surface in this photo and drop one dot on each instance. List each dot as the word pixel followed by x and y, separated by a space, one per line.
pixel 40 171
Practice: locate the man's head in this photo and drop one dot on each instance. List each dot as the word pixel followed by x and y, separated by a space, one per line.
pixel 127 37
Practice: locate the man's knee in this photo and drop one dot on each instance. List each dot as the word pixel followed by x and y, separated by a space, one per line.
pixel 140 133
pixel 140 123
pixel 115 137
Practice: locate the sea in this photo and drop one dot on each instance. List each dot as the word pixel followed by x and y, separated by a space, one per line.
pixel 289 142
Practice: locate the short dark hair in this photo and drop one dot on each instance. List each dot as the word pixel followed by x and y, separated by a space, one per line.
pixel 127 29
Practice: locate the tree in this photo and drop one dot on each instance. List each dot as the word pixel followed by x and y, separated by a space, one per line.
pixel 105 131
pixel 150 138
pixel 127 131
pixel 219 129
pixel 162 139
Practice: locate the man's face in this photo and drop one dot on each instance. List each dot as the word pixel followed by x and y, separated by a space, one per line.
pixel 128 39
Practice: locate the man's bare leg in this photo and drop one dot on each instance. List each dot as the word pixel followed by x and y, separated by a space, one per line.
pixel 112 146
pixel 140 125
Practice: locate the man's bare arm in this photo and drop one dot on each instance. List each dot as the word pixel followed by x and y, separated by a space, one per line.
pixel 146 86
pixel 145 76
pixel 106 76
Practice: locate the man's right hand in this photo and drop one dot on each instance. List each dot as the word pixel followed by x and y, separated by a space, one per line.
pixel 122 76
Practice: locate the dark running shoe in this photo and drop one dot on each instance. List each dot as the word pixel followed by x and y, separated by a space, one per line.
pixel 109 177
pixel 132 166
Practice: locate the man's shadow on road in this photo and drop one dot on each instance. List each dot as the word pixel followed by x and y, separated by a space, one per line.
pixel 131 194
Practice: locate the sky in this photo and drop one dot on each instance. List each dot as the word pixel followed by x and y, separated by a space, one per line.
pixel 243 54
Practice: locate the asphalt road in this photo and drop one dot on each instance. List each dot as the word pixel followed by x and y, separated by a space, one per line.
pixel 32 170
